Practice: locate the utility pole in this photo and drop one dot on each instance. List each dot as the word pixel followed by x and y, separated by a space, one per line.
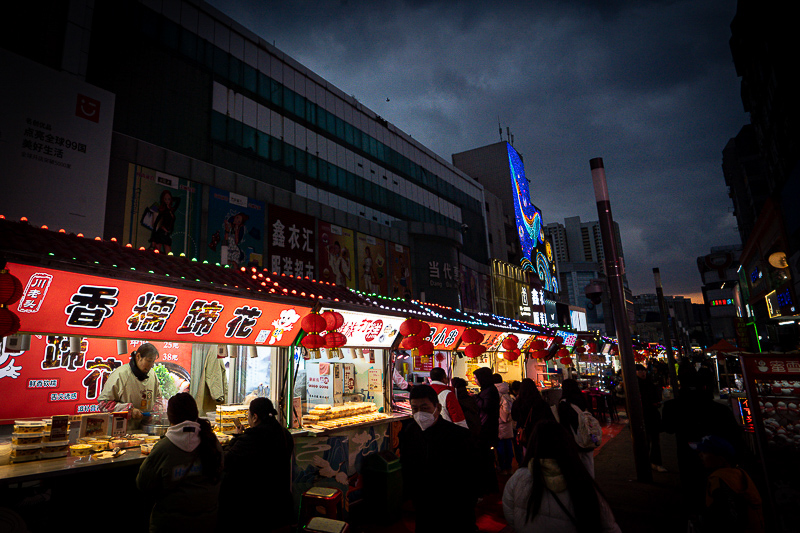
pixel 662 307
pixel 614 272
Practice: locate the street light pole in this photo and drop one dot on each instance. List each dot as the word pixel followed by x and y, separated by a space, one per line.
pixel 662 307
pixel 614 272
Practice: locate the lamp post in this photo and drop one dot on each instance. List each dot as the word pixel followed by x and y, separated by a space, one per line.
pixel 662 307
pixel 614 271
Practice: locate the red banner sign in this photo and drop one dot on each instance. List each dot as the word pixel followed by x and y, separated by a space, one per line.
pixel 49 380
pixel 444 336
pixel 65 303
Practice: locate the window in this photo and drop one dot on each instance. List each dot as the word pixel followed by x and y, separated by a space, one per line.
pixel 250 78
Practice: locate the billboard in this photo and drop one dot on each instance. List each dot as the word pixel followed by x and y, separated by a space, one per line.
pixel 55 145
pixel 537 252
pixel 163 212
pixel 291 242
pixel 336 255
pixel 372 271
pixel 235 229
pixel 400 271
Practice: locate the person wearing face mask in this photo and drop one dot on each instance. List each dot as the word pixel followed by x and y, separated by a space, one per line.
pixel 133 387
pixel 432 448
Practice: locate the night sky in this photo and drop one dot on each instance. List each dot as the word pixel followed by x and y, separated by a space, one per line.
pixel 648 86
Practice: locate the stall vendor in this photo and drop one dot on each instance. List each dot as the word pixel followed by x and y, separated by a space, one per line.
pixel 133 387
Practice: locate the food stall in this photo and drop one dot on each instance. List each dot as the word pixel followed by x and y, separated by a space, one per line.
pixel 341 398
pixel 770 413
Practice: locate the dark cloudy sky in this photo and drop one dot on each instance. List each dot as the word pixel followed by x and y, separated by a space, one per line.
pixel 649 86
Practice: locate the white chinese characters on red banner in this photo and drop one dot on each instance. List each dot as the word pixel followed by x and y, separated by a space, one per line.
pixel 65 303
pixel 48 380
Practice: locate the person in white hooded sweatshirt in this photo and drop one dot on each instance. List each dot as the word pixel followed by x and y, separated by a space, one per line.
pixel 555 493
pixel 183 472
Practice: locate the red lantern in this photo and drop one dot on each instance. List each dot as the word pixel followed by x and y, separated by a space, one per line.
pixel 512 355
pixel 538 345
pixel 471 336
pixel 334 339
pixel 333 320
pixel 578 343
pixel 513 338
pixel 426 348
pixel 9 322
pixel 412 342
pixel 580 349
pixel 509 343
pixel 566 361
pixel 562 353
pixel 313 341
pixel 410 326
pixel 474 350
pixel 424 330
pixel 539 354
pixel 10 288
pixel 313 323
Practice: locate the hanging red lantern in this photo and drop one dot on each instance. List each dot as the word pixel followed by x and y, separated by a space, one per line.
pixel 10 288
pixel 426 348
pixel 538 345
pixel 334 339
pixel 313 323
pixel 578 343
pixel 566 361
pixel 562 352
pixel 9 322
pixel 513 338
pixel 474 350
pixel 580 349
pixel 539 354
pixel 509 343
pixel 411 326
pixel 512 355
pixel 412 342
pixel 471 336
pixel 333 320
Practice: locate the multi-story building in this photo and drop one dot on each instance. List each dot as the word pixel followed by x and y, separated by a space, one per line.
pixel 250 156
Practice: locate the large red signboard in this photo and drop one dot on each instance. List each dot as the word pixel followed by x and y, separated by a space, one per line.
pixel 64 303
pixel 444 336
pixel 49 380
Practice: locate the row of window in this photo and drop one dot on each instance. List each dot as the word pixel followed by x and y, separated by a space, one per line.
pixel 234 133
pixel 273 94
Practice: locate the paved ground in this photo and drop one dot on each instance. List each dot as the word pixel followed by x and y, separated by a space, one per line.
pixel 651 507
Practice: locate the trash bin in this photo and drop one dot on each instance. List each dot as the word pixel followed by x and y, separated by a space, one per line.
pixel 383 485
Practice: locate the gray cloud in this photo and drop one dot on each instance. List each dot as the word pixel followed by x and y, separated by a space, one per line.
pixel 648 86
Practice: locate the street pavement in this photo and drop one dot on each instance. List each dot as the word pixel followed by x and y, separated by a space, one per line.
pixel 647 507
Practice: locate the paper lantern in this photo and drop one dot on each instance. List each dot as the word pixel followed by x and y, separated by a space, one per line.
pixel 562 353
pixel 10 288
pixel 471 336
pixel 424 330
pixel 566 361
pixel 9 322
pixel 426 348
pixel 313 341
pixel 509 343
pixel 513 338
pixel 313 323
pixel 538 345
pixel 333 320
pixel 578 343
pixel 539 354
pixel 474 350
pixel 411 326
pixel 412 342
pixel 512 355
pixel 334 339
pixel 580 349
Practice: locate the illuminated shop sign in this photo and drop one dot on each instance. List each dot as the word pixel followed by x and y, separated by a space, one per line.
pixel 64 303
pixel 569 338
pixel 717 303
pixel 365 330
pixel 780 303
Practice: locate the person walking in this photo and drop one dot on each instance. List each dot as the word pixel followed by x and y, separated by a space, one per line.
pixel 553 491
pixel 529 408
pixel 469 407
pixel 488 400
pixel 572 398
pixel 651 400
pixel 505 433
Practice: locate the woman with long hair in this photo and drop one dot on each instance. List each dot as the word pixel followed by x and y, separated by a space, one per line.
pixel 571 395
pixel 554 491
pixel 529 407
pixel 488 400
pixel 183 472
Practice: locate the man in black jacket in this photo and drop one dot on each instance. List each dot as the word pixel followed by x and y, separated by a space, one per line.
pixel 438 460
pixel 257 474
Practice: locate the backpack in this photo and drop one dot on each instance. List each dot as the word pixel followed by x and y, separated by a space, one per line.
pixel 590 432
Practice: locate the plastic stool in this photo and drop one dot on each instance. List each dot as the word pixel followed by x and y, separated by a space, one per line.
pixel 321 501
pixel 319 524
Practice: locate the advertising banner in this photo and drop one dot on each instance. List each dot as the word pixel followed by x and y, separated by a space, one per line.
pixel 371 264
pixel 235 229
pixel 365 330
pixel 48 380
pixel 336 255
pixel 491 339
pixel 400 271
pixel 291 239
pixel 163 212
pixel 64 303
pixel 444 336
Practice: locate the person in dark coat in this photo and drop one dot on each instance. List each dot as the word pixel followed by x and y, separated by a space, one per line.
pixel 692 416
pixel 257 472
pixel 529 402
pixel 571 395
pixel 488 400
pixel 469 407
pixel 651 399
pixel 436 456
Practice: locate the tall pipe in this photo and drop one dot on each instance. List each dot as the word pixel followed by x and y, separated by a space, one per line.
pixel 614 271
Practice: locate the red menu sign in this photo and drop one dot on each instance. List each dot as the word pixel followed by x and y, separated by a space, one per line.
pixel 444 336
pixel 49 380
pixel 490 339
pixel 65 303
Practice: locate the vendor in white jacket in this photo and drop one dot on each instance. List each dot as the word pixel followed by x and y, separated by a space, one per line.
pixel 565 497
pixel 133 387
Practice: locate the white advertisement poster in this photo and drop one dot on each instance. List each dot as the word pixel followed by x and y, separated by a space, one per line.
pixel 55 145
pixel 364 330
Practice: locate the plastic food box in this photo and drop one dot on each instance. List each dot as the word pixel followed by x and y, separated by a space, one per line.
pixel 25 439
pixel 29 426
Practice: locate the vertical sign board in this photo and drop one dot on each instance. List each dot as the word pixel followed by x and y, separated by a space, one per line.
pixel 291 239
pixel 235 229
pixel 55 146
